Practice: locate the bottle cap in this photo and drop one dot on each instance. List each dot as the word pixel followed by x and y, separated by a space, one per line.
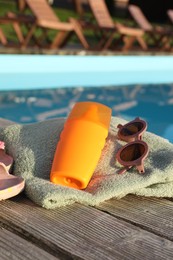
pixel 91 111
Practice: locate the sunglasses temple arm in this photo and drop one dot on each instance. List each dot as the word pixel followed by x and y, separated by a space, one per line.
pixel 123 170
pixel 140 168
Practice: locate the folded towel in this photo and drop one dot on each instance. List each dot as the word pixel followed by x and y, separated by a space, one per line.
pixel 33 146
pixel 157 190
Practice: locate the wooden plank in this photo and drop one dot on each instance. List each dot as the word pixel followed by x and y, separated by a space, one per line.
pixel 153 214
pixel 15 247
pixel 21 5
pixel 82 232
pixel 78 5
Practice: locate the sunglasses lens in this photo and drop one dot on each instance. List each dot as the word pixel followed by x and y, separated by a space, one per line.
pixel 132 152
pixel 131 129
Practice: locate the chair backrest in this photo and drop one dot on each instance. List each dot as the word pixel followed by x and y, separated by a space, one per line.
pixel 101 14
pixel 170 14
pixel 42 11
pixel 140 18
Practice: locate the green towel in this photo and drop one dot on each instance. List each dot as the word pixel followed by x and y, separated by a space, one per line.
pixel 33 146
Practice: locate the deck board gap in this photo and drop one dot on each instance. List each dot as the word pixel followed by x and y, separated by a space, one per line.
pixel 44 245
pixel 137 225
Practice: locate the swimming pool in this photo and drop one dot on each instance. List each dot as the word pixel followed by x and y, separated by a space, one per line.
pixel 25 97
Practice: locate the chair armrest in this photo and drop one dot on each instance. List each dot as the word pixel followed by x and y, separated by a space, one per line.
pixel 12 17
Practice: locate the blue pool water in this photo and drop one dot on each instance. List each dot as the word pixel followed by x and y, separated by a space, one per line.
pixel 154 103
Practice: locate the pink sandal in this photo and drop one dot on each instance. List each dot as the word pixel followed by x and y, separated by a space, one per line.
pixel 10 185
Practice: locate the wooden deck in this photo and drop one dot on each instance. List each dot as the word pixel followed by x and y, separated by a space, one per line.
pixel 130 228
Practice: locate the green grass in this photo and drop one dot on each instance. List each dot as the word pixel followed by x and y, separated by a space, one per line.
pixel 6 6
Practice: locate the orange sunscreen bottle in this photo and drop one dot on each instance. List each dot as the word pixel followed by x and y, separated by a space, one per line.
pixel 80 145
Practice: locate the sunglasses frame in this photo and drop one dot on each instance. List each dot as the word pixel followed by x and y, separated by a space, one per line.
pixel 136 136
pixel 132 139
pixel 139 163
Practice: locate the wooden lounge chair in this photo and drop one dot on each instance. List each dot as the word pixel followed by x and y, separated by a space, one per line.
pixel 15 21
pixel 170 14
pixel 160 36
pixel 45 19
pixel 108 28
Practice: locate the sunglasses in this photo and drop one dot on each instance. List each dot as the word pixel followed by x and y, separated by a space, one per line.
pixel 135 152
